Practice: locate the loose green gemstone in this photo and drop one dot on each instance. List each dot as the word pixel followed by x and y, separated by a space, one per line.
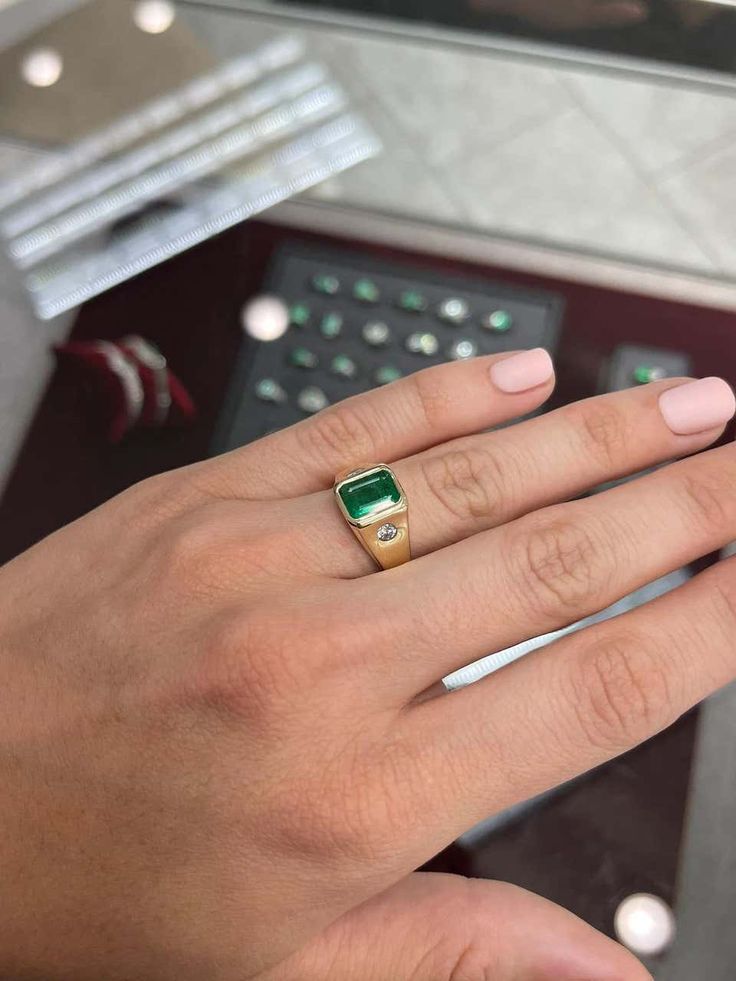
pixel 369 494
pixel 366 291
pixel 326 284
pixel 413 301
pixel 386 374
pixel 344 366
pixel 302 357
pixel 312 399
pixel 331 326
pixel 644 373
pixel 268 390
pixel 299 315
pixel 500 321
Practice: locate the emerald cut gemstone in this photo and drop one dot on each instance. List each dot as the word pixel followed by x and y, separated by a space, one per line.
pixel 368 494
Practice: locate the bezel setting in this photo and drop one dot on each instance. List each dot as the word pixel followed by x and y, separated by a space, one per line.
pixel 377 512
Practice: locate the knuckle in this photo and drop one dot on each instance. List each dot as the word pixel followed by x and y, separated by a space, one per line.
pixel 157 500
pixel 342 431
pixel 561 564
pixel 193 558
pixel 724 594
pixel 433 397
pixel 245 671
pixel 342 810
pixel 708 497
pixel 469 483
pixel 621 692
pixel 604 428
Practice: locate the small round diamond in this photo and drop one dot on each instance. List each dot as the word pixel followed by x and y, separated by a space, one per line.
pixel 422 343
pixel 461 350
pixel 312 400
pixel 376 333
pixel 454 310
pixel 387 533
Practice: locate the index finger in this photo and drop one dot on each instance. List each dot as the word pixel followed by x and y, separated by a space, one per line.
pixel 413 414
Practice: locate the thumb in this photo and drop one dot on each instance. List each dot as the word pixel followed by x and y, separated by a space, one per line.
pixel 444 928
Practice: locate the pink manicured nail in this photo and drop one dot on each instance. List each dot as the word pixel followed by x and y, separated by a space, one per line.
pixel 522 371
pixel 697 406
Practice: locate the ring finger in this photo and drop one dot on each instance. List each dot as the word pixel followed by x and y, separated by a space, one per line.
pixel 479 482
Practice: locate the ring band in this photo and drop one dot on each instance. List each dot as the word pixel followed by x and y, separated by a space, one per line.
pixel 374 505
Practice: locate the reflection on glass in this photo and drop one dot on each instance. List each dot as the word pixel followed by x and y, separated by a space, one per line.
pixel 42 67
pixel 692 32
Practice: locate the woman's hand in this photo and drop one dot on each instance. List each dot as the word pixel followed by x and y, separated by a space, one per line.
pixel 214 761
pixel 568 15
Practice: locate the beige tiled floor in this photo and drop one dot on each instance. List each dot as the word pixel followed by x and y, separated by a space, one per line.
pixel 588 159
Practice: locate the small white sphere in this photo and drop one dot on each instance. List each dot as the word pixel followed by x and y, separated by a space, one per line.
pixel 266 318
pixel 42 67
pixel 154 16
pixel 645 924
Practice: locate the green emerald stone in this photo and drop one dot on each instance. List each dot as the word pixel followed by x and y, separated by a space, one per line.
pixel 329 285
pixel 331 326
pixel 644 374
pixel 302 357
pixel 366 291
pixel 387 374
pixel 367 494
pixel 500 321
pixel 413 301
pixel 299 315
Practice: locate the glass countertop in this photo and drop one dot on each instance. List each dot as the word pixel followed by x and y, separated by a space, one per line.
pixel 524 143
pixel 699 33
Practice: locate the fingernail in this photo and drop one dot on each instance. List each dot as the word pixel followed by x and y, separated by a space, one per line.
pixel 522 371
pixel 697 406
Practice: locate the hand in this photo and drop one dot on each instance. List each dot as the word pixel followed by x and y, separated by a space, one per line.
pixel 213 758
pixel 568 15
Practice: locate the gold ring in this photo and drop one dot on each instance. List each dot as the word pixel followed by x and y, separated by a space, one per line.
pixel 374 505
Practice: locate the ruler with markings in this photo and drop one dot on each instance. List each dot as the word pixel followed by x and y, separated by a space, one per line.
pixel 129 166
pixel 221 149
pixel 295 167
pixel 152 117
